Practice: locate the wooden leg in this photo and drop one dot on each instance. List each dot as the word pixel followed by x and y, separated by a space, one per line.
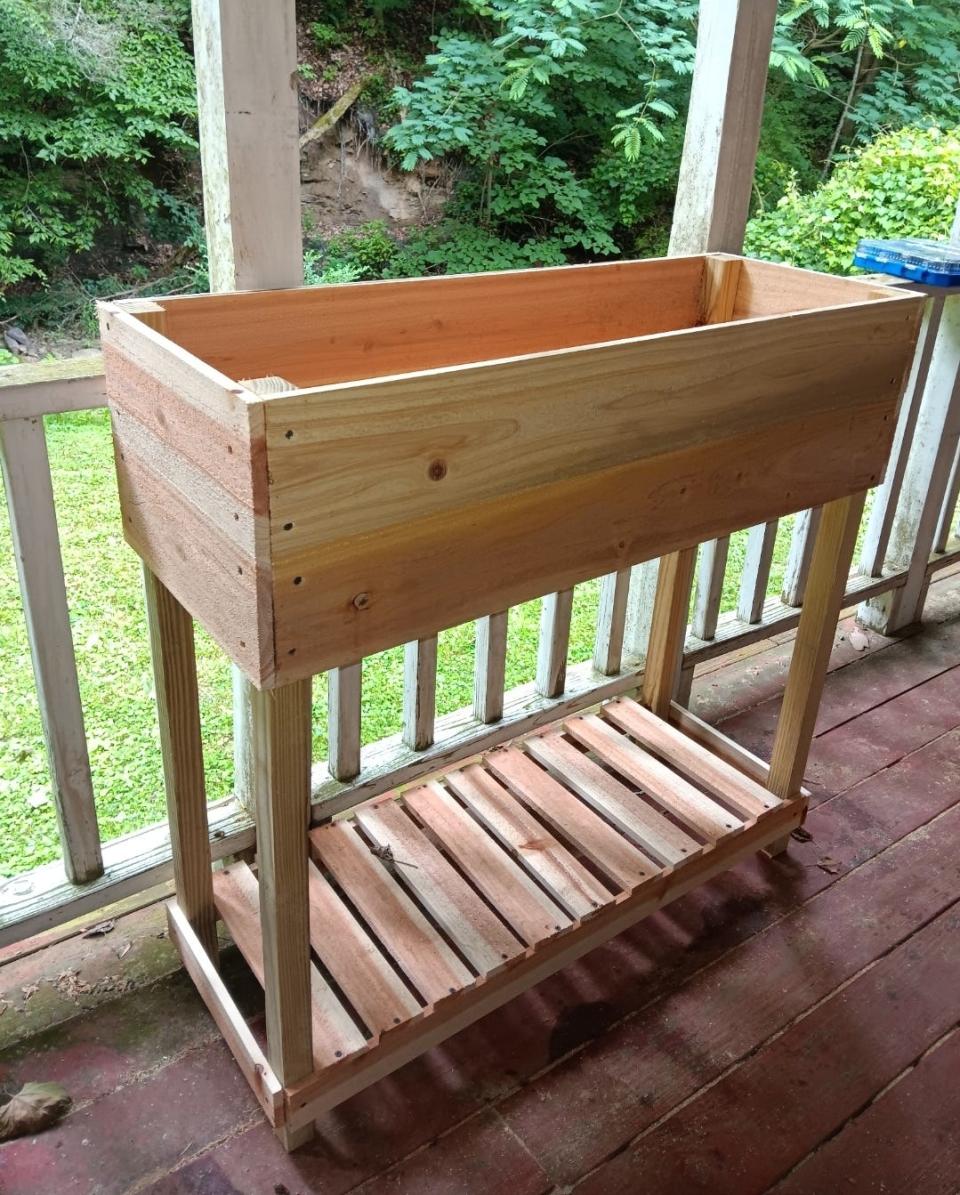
pixel 668 628
pixel 292 1139
pixel 778 847
pixel 827 581
pixel 178 710
pixel 283 813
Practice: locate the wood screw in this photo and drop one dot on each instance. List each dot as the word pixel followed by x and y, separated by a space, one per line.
pixel 362 601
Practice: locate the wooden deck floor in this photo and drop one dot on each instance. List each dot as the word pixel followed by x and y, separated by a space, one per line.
pixel 791 1027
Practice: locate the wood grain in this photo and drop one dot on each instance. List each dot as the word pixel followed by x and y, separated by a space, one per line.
pixel 423 956
pixel 476 932
pixel 317 336
pixel 743 795
pixel 355 960
pixel 681 799
pixel 372 592
pixel 350 459
pixel 518 900
pixel 283 814
pixel 178 714
pixel 571 818
pixel 567 880
pixel 644 826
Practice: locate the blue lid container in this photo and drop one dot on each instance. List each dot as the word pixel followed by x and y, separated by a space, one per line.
pixel 934 263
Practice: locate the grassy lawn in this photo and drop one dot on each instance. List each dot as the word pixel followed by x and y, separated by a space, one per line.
pixel 109 632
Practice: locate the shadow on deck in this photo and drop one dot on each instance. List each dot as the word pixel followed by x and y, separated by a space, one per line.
pixel 790 1026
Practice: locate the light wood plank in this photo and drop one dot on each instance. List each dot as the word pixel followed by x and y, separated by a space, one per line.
pixel 238 902
pixel 718 744
pixel 668 629
pixel 355 961
pixel 568 881
pixel 829 568
pixel 410 588
pixel 718 777
pixel 36 550
pixel 490 663
pixel 283 815
pixel 554 643
pixel 571 818
pixel 423 956
pixel 694 808
pixel 343 720
pixel 419 692
pixel 645 827
pixel 236 1032
pixel 178 713
pixel 518 900
pixel 541 419
pixel 611 622
pixel 476 932
pixel 428 323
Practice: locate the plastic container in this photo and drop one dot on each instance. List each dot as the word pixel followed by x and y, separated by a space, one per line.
pixel 934 263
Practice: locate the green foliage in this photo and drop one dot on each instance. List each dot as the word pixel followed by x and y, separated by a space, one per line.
pixel 355 255
pixel 560 115
pixel 8 358
pixel 327 37
pixel 93 96
pixel 902 184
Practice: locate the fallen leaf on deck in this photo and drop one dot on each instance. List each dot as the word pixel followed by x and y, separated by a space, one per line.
pixel 30 990
pixel 829 865
pixel 801 834
pixel 123 950
pixel 858 640
pixel 35 1107
pixel 98 930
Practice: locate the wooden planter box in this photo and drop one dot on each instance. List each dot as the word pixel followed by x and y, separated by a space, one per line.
pixel 315 475
pixel 318 474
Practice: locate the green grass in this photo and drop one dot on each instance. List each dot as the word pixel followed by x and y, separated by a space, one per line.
pixel 109 632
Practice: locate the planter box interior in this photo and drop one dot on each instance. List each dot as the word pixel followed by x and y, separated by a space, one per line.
pixel 321 473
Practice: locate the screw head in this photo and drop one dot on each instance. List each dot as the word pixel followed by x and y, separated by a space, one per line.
pixel 362 601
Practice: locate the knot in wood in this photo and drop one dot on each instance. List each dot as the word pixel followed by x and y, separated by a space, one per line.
pixel 437 470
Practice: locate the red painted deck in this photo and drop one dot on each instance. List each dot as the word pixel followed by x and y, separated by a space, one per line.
pixel 791 1027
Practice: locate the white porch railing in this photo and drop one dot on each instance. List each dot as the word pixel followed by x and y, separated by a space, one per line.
pixel 908 536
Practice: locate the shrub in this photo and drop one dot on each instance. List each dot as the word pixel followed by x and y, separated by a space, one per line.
pixel 92 97
pixel 902 184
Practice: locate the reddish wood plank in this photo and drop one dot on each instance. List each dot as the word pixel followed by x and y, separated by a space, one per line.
pixel 354 960
pixel 237 900
pixel 744 1133
pixel 908 1141
pixel 743 795
pixel 561 810
pixel 654 834
pixel 403 930
pixel 516 897
pixel 529 841
pixel 683 800
pixel 476 932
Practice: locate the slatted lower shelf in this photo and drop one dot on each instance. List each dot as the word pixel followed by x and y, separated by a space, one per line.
pixel 431 907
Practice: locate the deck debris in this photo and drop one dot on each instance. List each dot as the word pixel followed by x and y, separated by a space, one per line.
pixel 35 1107
pixel 98 930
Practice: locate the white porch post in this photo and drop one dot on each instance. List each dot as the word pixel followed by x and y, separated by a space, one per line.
pixel 246 58
pixel 926 478
pixel 713 198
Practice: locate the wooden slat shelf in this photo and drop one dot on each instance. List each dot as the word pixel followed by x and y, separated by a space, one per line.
pixel 430 907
